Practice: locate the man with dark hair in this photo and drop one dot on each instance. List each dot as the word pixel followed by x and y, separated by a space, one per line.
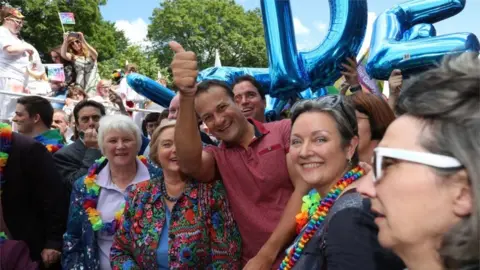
pixel 250 97
pixel 74 160
pixel 151 122
pixel 33 118
pixel 252 161
pixel 34 204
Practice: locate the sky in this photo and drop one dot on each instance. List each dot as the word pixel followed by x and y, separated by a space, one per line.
pixel 311 18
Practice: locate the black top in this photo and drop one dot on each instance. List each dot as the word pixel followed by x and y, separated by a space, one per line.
pixel 73 161
pixel 348 241
pixel 34 200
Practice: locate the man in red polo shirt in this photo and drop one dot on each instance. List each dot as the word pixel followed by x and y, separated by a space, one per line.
pixel 252 161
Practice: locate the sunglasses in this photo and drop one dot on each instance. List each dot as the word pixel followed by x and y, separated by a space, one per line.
pixel 76 42
pixel 383 155
pixel 16 21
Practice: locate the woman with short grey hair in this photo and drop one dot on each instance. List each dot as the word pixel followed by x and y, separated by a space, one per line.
pixel 336 232
pixel 98 198
pixel 426 174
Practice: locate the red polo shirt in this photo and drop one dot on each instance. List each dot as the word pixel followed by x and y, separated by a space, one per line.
pixel 257 182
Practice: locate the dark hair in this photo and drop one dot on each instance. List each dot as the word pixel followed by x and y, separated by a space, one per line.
pixel 379 113
pixel 253 81
pixel 87 103
pixel 205 85
pixel 447 99
pixel 152 117
pixel 73 88
pixel 163 115
pixel 342 112
pixel 38 105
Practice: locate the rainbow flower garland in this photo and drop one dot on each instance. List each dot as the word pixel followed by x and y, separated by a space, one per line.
pixel 310 204
pixel 5 145
pixel 322 211
pixel 52 139
pixel 91 199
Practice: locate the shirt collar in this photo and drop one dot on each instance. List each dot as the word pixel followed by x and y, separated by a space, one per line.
pixel 259 130
pixel 104 179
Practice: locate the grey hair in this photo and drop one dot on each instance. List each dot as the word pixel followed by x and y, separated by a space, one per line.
pixel 447 100
pixel 120 123
pixel 342 112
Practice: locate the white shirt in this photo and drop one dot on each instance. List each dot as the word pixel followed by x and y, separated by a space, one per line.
pixel 125 90
pixel 110 200
pixel 12 66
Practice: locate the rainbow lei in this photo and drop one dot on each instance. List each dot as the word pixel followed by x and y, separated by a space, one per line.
pixel 5 145
pixel 317 219
pixel 52 139
pixel 91 199
pixel 310 204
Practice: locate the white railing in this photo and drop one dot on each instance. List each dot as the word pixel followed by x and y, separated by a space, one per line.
pixel 59 100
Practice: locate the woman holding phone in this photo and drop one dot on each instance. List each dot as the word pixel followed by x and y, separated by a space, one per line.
pixel 84 58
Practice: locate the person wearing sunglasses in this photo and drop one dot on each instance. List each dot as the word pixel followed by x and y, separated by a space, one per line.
pixel 84 58
pixel 336 232
pixel 15 57
pixel 425 172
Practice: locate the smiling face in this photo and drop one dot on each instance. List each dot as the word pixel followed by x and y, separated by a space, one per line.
pixel 316 149
pixel 415 206
pixel 13 24
pixel 166 151
pixel 249 101
pixel 223 118
pixel 76 46
pixel 22 119
pixel 120 147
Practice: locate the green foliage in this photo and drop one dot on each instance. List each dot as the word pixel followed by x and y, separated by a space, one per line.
pixel 203 26
pixel 146 62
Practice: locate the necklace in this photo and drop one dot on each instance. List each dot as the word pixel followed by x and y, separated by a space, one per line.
pixel 52 139
pixel 5 145
pixel 322 211
pixel 163 186
pixel 91 199
pixel 310 204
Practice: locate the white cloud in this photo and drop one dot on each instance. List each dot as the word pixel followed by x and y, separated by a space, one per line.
pixel 300 29
pixel 135 31
pixel 368 34
pixel 321 27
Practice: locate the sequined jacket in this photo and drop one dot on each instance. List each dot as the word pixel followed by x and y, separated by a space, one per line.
pixel 202 232
pixel 80 249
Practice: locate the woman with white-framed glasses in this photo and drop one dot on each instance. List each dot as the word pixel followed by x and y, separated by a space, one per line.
pixel 426 170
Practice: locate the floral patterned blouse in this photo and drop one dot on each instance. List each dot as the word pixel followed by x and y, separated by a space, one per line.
pixel 202 232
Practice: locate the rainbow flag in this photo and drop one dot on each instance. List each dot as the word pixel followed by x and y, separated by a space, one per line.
pixel 67 17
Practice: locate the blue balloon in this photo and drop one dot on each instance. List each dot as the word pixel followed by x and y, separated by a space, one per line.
pixel 150 89
pixel 291 72
pixel 403 38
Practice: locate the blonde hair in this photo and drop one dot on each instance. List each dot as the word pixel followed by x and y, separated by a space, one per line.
pixel 85 51
pixel 166 123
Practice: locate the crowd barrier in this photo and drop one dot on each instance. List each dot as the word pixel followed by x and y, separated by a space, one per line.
pixel 59 100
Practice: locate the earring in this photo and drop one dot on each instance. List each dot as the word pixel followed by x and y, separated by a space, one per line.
pixel 349 162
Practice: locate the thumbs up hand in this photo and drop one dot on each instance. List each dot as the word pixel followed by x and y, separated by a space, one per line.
pixel 184 69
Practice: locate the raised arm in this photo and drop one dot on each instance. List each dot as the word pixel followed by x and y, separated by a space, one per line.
pixel 64 50
pixel 193 160
pixel 91 50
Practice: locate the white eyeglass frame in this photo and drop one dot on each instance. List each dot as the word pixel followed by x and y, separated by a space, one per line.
pixel 425 158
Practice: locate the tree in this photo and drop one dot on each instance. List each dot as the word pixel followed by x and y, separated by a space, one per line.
pixel 44 31
pixel 203 26
pixel 146 62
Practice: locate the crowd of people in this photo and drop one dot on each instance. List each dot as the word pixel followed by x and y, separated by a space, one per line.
pixel 345 182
